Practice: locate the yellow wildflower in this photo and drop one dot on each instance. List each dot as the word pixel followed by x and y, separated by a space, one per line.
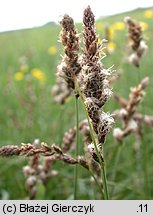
pixel 18 76
pixel 111 33
pixel 118 26
pixel 99 26
pixel 52 50
pixel 148 14
pixel 144 26
pixel 111 47
pixel 38 74
pixel 99 40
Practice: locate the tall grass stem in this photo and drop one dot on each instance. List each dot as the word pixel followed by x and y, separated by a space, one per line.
pixel 96 181
pixel 77 147
pixel 116 162
pixel 61 120
pixel 101 162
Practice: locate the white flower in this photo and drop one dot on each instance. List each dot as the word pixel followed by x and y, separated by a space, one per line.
pixel 36 143
pixel 91 146
pixel 118 133
pixel 142 48
pixel 134 59
pixel 105 82
pixel 31 181
pixel 27 170
pixel 127 19
pixel 107 93
pixel 133 125
pixel 105 124
pixel 123 113
pixel 107 118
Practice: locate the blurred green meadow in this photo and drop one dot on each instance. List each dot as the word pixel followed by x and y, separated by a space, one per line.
pixel 28 61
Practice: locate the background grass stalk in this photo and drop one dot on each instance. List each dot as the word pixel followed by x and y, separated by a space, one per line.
pixel 116 162
pixel 103 173
pixel 77 147
pixel 61 120
pixel 143 151
pixel 145 169
pixel 96 181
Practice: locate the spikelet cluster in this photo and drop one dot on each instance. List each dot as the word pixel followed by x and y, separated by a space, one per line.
pixel 146 119
pixel 30 150
pixel 60 91
pixel 138 44
pixel 68 140
pixel 85 131
pixel 37 171
pixel 70 66
pixel 128 112
pixel 93 80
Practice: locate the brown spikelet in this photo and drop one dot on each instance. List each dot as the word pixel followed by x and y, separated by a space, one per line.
pixel 68 159
pixel 135 32
pixel 120 100
pixel 83 162
pixel 27 150
pixel 131 120
pixel 136 95
pixel 94 82
pixel 85 130
pixel 138 44
pixel 148 120
pixel 90 38
pixel 10 150
pixel 69 66
pixel 60 91
pixel 68 139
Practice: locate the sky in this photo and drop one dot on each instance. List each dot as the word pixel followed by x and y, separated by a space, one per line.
pixel 19 14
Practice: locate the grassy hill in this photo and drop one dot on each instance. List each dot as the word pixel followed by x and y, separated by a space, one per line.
pixel 27 112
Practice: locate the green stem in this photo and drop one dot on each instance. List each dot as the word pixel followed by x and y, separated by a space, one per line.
pixel 77 148
pixel 101 162
pixel 145 169
pixel 96 181
pixel 103 173
pixel 61 116
pixel 114 172
pixel 118 152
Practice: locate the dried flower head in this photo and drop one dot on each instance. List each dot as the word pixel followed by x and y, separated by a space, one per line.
pixel 138 44
pixel 69 66
pixel 10 150
pixel 105 124
pixel 68 139
pixel 85 130
pixel 94 83
pixel 60 91
pixel 130 119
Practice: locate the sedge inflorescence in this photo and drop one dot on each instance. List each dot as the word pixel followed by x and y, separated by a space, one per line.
pixel 90 80
pixel 88 71
pixel 94 82
pixel 138 44
pixel 131 120
pixel 70 65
